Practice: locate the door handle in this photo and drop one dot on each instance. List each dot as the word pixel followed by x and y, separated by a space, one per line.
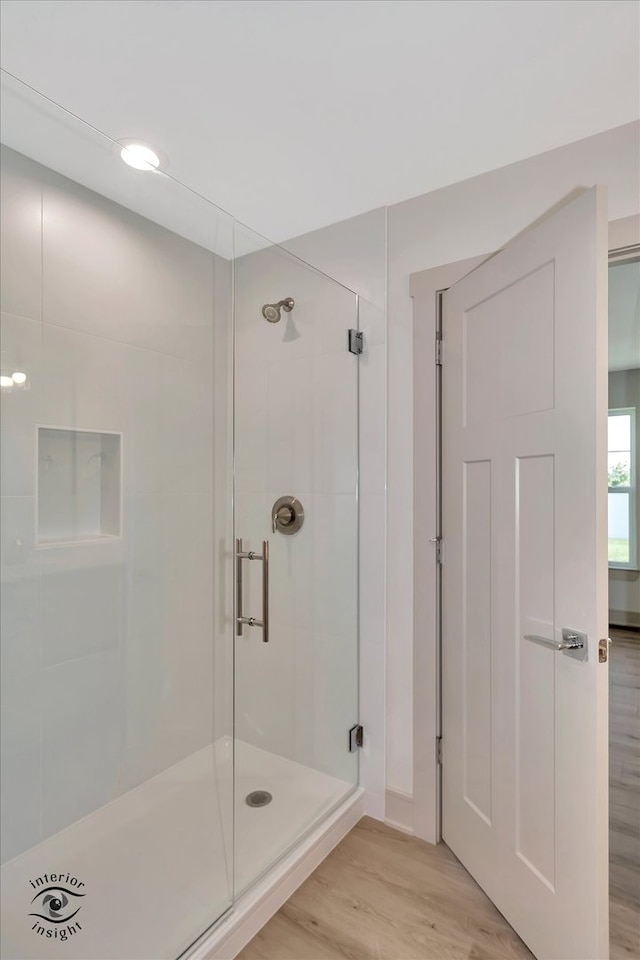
pixel 573 643
pixel 241 620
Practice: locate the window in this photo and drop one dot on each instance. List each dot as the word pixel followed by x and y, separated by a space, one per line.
pixel 623 546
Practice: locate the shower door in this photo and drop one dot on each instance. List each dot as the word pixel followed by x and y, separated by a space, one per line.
pixel 115 650
pixel 296 436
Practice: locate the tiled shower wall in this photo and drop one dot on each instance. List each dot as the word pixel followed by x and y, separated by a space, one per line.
pixel 108 656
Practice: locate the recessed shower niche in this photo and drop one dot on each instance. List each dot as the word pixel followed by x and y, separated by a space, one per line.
pixel 79 484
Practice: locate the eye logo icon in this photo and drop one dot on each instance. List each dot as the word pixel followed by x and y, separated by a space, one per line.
pixel 56 904
pixel 53 904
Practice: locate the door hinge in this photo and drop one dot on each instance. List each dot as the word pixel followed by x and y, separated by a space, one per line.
pixel 356 737
pixel 356 342
pixel 438 350
pixel 439 751
pixel 439 542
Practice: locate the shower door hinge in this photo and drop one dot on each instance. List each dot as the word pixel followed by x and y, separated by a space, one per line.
pixel 356 342
pixel 356 737
pixel 438 349
pixel 439 751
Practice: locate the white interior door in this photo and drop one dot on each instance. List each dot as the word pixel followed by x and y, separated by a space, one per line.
pixel 525 776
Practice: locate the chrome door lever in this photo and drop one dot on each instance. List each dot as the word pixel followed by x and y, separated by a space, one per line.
pixel 573 643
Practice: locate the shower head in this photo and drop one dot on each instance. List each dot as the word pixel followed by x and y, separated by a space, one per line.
pixel 272 311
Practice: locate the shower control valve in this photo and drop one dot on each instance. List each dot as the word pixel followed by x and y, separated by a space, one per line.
pixel 287 515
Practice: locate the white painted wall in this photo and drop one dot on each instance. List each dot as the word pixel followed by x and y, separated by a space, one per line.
pixel 464 220
pixel 624 585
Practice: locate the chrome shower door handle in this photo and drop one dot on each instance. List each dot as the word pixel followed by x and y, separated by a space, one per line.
pixel 265 591
pixel 573 643
pixel 241 620
pixel 239 587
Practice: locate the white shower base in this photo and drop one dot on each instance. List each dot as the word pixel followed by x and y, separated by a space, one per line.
pixel 156 862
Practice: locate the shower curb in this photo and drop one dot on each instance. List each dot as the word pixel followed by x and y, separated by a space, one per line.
pixel 257 905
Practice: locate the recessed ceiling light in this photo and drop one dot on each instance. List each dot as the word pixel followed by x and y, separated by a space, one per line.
pixel 140 156
pixel 19 377
pixel 6 381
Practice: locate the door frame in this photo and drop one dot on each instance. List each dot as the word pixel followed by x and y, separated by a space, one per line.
pixel 426 288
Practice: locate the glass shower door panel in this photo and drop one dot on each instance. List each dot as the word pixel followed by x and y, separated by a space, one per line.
pixel 296 473
pixel 116 698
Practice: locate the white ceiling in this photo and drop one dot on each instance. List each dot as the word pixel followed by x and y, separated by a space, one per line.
pixel 292 114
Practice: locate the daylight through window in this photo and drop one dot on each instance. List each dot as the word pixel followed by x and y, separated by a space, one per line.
pixel 622 487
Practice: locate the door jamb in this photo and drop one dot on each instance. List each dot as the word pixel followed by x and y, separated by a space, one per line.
pixel 425 289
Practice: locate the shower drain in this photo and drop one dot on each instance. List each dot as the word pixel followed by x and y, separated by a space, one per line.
pixel 258 798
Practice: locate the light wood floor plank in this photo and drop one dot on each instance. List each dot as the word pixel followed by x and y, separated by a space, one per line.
pixel 382 894
pixel 624 794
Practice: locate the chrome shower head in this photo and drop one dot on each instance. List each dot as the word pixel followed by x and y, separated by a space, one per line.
pixel 272 311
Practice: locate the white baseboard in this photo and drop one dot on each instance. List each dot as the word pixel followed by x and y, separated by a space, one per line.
pixel 399 810
pixel 255 907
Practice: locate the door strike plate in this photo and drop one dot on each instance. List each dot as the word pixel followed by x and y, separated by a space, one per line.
pixel 603 650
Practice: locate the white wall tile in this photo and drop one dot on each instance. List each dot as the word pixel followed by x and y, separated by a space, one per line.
pixel 20 589
pixel 20 768
pixel 373 399
pixel 146 379
pixel 335 706
pixel 20 236
pixel 144 569
pixel 335 423
pixel 111 273
pixel 82 602
pixel 82 738
pixel 20 406
pixel 83 380
pixel 20 697
pixel 290 417
pixel 186 455
pixel 265 689
pixel 304 685
pixel 335 565
pixel 251 415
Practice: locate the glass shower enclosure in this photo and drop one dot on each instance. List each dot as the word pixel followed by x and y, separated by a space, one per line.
pixel 296 482
pixel 179 549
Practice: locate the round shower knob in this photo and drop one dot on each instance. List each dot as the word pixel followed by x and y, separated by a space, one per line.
pixel 287 515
